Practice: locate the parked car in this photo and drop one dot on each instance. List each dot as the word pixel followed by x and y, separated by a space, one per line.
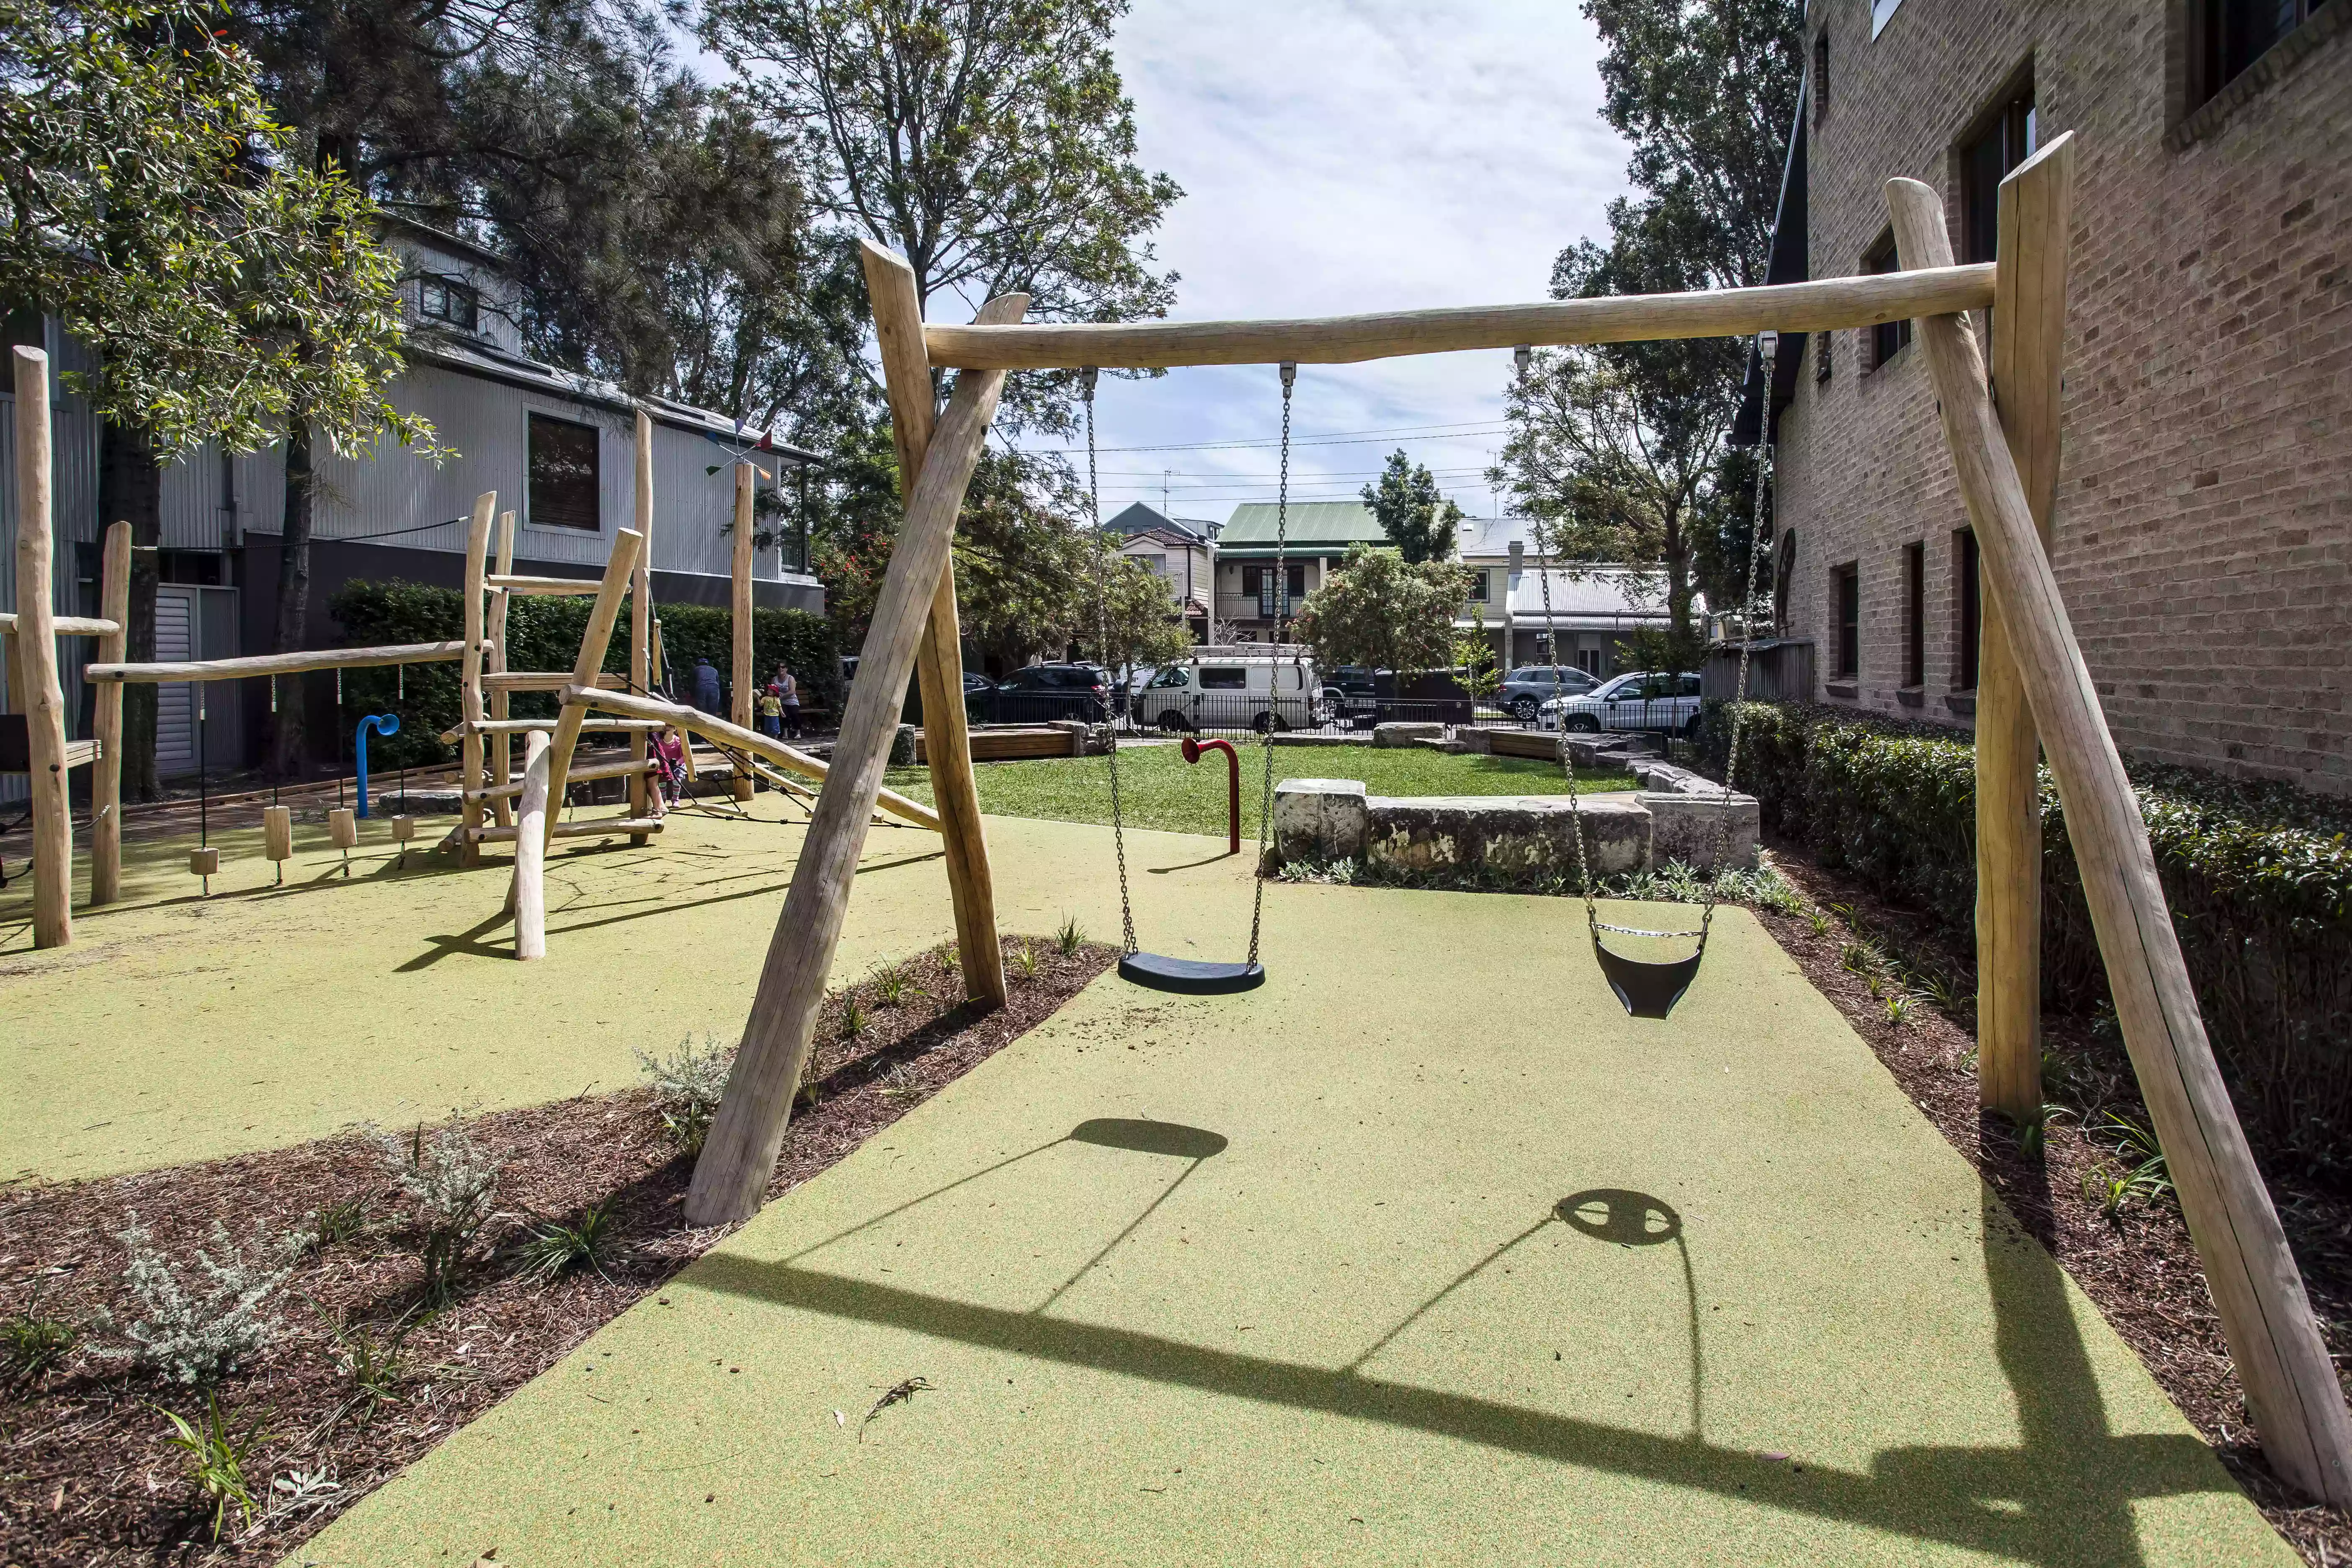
pixel 974 683
pixel 1043 692
pixel 1352 692
pixel 1526 689
pixel 1643 700
pixel 1251 693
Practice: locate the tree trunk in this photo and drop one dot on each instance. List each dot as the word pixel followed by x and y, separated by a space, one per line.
pixel 293 595
pixel 131 490
pixel 1677 553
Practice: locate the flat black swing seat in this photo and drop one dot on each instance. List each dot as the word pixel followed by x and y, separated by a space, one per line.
pixel 1191 976
pixel 1647 990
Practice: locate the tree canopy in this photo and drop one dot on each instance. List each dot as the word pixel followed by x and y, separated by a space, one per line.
pixel 1379 610
pixel 159 208
pixel 1412 511
pixel 1621 446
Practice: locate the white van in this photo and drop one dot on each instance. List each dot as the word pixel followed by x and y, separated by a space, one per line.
pixel 1238 693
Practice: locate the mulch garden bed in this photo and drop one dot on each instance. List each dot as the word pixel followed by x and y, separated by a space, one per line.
pixel 2138 1265
pixel 363 1374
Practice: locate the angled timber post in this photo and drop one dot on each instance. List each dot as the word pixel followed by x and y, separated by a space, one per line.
pixel 502 743
pixel 470 748
pixel 641 612
pixel 619 567
pixel 739 614
pixel 741 1152
pixel 106 772
pixel 33 659
pixel 2292 1391
pixel 947 739
pixel 2029 333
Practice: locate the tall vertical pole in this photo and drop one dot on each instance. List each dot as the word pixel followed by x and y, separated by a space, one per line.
pixel 2028 333
pixel 938 664
pixel 2292 1391
pixel 106 772
pixel 469 750
pixel 502 743
pixel 34 664
pixel 641 611
pixel 739 615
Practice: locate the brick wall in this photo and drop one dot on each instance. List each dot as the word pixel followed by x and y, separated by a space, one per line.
pixel 2204 532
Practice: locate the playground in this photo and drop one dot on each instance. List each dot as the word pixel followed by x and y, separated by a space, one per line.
pixel 1255 1277
pixel 1366 1223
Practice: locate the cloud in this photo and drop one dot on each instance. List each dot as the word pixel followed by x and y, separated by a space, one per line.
pixel 1339 158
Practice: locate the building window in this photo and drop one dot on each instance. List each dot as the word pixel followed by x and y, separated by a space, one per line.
pixel 2227 36
pixel 1967 610
pixel 1821 342
pixel 1258 583
pixel 1821 76
pixel 2006 141
pixel 447 300
pixel 564 487
pixel 1881 12
pixel 1886 340
pixel 1846 581
pixel 1478 589
pixel 1914 615
pixel 1155 564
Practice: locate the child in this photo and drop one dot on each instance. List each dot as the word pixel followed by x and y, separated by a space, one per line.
pixel 771 713
pixel 669 782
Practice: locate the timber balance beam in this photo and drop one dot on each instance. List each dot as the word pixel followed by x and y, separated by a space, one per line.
pixel 695 721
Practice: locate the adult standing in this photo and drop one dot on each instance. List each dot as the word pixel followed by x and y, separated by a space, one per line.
pixel 788 693
pixel 706 686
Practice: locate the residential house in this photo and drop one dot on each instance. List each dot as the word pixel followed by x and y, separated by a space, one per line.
pixel 2206 488
pixel 1180 551
pixel 1592 608
pixel 1315 540
pixel 558 449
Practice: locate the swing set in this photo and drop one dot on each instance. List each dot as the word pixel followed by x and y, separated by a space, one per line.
pixel 2006 464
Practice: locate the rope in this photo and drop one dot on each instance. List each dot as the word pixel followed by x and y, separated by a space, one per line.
pixel 1281 635
pixel 1102 641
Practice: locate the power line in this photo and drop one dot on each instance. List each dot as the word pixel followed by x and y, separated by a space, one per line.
pixel 1465 431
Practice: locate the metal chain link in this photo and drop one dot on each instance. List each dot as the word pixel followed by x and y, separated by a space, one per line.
pixel 1274 668
pixel 1757 548
pixel 1102 644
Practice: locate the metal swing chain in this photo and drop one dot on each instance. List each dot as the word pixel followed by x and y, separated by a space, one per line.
pixel 1102 643
pixel 1756 549
pixel 1281 635
pixel 1520 358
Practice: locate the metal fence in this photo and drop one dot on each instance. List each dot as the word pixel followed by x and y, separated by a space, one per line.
pixel 1247 714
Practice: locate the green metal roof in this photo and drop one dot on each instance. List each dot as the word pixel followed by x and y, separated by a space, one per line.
pixel 1311 523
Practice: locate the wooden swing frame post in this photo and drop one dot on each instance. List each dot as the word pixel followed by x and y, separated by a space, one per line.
pixel 619 567
pixel 2291 1393
pixel 502 758
pixel 938 664
pixel 2029 333
pixel 741 1152
pixel 469 768
pixel 739 615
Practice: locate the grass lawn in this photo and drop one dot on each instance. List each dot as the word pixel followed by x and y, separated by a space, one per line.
pixel 1160 790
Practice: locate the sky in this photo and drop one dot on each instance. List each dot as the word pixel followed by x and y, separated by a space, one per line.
pixel 1345 157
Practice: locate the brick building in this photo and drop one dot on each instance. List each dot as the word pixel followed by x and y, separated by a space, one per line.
pixel 2203 530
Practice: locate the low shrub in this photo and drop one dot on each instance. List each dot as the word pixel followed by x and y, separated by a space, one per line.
pixel 687 1084
pixel 189 1333
pixel 543 632
pixel 454 1182
pixel 2258 876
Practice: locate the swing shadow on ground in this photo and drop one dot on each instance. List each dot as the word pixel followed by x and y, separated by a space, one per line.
pixel 2063 1494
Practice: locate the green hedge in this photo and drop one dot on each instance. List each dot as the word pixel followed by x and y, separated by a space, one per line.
pixel 544 633
pixel 2259 878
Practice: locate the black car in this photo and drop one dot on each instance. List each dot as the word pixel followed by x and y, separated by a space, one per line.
pixel 1043 692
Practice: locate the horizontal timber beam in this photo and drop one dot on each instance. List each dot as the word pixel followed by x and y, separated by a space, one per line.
pixel 696 720
pixel 277 663
pixel 1820 306
pixel 70 625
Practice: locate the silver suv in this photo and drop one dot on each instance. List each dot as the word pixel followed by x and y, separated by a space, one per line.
pixel 1526 689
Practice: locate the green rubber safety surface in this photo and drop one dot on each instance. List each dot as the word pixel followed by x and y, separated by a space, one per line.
pixel 177 1027
pixel 1423 1252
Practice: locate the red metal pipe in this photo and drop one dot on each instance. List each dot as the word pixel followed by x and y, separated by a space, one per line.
pixel 1193 749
